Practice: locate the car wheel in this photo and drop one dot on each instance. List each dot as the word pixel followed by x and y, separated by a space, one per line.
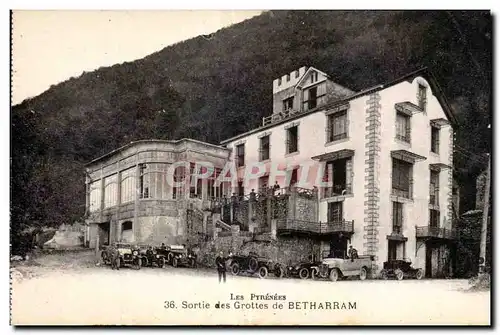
pixel 363 274
pixel 175 262
pixel 253 264
pixel 263 272
pixel 334 275
pixel 235 269
pixel 383 275
pixel 420 274
pixel 399 274
pixel 161 262
pixel 303 273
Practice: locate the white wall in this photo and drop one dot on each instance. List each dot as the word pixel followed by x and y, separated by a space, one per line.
pixel 416 212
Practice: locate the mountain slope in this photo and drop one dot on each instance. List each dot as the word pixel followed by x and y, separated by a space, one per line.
pixel 212 89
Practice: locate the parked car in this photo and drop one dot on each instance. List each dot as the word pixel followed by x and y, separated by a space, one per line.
pixel 400 269
pixel 156 256
pixel 336 268
pixel 303 270
pixel 179 255
pixel 129 255
pixel 252 264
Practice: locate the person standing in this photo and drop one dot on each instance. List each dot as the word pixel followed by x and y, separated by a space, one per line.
pixel 220 261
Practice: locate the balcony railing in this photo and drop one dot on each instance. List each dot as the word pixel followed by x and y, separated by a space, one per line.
pixel 279 116
pixel 436 232
pixel 337 190
pixel 316 227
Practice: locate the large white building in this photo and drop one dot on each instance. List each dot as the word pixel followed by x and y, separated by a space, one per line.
pixel 388 151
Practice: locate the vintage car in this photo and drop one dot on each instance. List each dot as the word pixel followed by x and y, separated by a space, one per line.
pixel 303 270
pixel 252 264
pixel 129 255
pixel 337 268
pixel 400 269
pixel 155 257
pixel 179 255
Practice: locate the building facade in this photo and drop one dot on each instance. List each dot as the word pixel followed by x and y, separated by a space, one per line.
pixel 387 150
pixel 129 196
pixel 328 168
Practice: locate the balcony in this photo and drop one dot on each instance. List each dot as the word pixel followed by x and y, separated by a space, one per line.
pixel 436 233
pixel 287 226
pixel 277 117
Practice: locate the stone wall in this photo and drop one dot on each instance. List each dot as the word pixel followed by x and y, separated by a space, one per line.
pixel 283 250
pixel 306 208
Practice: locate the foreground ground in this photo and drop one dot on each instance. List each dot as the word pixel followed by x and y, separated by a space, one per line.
pixel 71 289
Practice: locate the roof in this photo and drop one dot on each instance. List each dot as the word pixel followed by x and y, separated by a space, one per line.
pixel 423 72
pixel 131 144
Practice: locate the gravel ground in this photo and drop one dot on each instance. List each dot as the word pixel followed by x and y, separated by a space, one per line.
pixel 70 289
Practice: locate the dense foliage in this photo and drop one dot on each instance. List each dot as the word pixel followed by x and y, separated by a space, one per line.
pixel 213 88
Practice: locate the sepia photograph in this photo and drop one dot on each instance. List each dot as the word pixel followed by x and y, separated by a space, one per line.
pixel 251 168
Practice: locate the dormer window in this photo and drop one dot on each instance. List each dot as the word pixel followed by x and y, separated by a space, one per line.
pixel 287 77
pixel 297 73
pixel 279 81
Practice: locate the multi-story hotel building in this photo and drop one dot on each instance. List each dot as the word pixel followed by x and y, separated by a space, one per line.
pixel 388 151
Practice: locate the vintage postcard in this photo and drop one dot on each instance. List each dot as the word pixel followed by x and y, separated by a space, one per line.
pixel 251 167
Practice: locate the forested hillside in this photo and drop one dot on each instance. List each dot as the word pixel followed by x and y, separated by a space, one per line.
pixel 213 88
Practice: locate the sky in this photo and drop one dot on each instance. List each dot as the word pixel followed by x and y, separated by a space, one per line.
pixel 49 47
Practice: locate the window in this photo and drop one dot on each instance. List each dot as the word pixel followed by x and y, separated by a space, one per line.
pixel 403 127
pixel 401 178
pixel 264 148
pixel 288 104
pixel 128 186
pixel 335 213
pixel 279 81
pixel 337 126
pixel 313 96
pixel 337 171
pixel 434 189
pixel 214 190
pixel 397 218
pixel 179 177
pixel 434 218
pixel 195 185
pixel 287 77
pixel 292 135
pixel 263 184
pixel 110 191
pixel 143 184
pixel 297 73
pixel 153 181
pixel 435 139
pixel 241 189
pixel 95 196
pixel 422 96
pixel 240 155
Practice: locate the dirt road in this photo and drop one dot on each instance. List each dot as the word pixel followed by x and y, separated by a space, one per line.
pixel 81 293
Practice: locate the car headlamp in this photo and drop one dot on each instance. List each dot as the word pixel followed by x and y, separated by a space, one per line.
pixel 157 256
pixel 135 253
